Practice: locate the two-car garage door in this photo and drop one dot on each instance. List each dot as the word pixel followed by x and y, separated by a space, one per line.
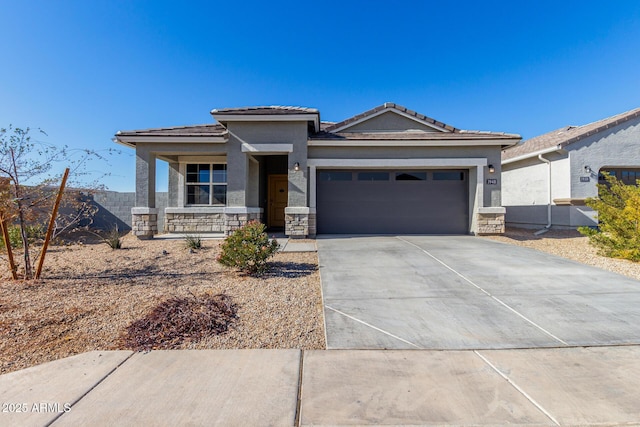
pixel 393 201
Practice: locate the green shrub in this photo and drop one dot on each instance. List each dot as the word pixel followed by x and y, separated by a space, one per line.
pixel 34 233
pixel 193 241
pixel 113 239
pixel 248 249
pixel 618 207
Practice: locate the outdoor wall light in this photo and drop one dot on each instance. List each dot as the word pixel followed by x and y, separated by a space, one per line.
pixel 491 169
pixel 296 166
pixel 587 169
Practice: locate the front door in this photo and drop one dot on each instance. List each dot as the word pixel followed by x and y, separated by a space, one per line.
pixel 278 199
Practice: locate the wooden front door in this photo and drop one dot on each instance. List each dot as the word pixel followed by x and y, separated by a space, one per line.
pixel 278 199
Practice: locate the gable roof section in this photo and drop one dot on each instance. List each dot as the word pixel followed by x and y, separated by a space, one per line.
pixel 560 138
pixel 197 133
pixel 271 113
pixel 344 125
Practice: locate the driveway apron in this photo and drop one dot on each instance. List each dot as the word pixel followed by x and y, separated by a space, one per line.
pixel 463 292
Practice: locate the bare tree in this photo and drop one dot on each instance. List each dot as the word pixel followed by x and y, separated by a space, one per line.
pixel 28 180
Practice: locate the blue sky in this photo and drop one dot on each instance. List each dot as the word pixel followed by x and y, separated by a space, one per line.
pixel 82 70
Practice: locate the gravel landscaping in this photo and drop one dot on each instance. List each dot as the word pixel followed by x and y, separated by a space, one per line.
pixel 89 294
pixel 568 244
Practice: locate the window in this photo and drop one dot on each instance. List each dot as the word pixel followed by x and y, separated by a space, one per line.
pixel 627 176
pixel 448 176
pixel 335 176
pixel 206 184
pixel 373 176
pixel 411 176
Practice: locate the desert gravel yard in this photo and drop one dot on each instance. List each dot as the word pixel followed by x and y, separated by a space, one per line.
pixel 568 244
pixel 90 294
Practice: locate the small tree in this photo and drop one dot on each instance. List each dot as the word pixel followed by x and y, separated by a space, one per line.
pixel 618 207
pixel 27 184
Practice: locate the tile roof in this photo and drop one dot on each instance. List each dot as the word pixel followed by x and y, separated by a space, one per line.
pixel 564 136
pixel 194 130
pixel 266 110
pixel 325 125
pixel 388 105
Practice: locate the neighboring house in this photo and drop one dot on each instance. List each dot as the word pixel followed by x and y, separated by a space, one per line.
pixel 388 170
pixel 546 179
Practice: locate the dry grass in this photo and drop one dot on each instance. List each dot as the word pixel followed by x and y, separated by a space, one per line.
pixel 91 293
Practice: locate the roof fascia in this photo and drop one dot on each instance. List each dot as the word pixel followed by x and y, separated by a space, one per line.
pixel 532 154
pixel 386 110
pixel 123 143
pixel 311 117
pixel 410 143
pixel 131 141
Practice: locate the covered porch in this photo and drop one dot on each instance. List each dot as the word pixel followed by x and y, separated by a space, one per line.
pixel 215 185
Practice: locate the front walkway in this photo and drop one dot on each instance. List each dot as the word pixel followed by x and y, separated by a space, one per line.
pixel 545 387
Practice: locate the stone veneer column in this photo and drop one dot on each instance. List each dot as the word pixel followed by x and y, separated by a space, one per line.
pixel 236 217
pixel 491 220
pixel 299 222
pixel 144 222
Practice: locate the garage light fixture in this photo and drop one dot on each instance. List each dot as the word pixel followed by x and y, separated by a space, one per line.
pixel 491 169
pixel 587 169
pixel 296 166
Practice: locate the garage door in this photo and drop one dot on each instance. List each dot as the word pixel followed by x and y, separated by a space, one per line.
pixel 393 202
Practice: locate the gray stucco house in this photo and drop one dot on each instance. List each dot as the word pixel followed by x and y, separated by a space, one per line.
pixel 546 179
pixel 388 170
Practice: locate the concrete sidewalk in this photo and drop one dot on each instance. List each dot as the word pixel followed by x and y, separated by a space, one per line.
pixel 563 386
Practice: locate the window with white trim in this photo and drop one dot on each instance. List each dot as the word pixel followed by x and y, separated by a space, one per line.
pixel 206 184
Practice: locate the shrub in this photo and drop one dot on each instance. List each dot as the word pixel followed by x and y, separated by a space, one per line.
pixel 177 320
pixel 618 207
pixel 193 241
pixel 248 249
pixel 34 233
pixel 113 239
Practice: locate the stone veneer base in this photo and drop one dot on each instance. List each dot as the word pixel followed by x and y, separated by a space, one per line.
pixel 144 222
pixel 300 222
pixel 193 220
pixel 490 223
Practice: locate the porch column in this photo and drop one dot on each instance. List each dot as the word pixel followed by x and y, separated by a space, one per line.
pixel 144 222
pixel 237 177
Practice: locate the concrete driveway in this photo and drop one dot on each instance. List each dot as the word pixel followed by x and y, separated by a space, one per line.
pixel 463 292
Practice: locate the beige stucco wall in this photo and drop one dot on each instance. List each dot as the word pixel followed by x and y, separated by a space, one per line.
pixel 527 182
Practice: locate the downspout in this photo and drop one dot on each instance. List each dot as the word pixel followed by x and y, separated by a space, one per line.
pixel 548 226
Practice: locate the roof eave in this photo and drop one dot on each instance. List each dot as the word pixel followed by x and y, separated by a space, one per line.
pixel 132 140
pixel 297 117
pixel 463 142
pixel 532 154
pixel 117 140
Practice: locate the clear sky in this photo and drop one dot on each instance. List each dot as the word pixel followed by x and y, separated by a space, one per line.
pixel 82 70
